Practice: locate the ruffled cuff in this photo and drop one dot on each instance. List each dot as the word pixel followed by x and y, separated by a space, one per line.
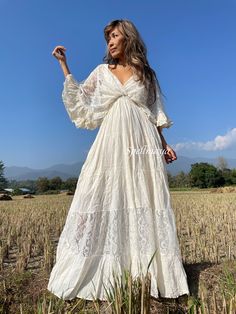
pixel 77 105
pixel 163 120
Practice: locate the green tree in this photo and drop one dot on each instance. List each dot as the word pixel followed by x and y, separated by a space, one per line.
pixel 42 184
pixel 204 175
pixel 182 179
pixel 227 175
pixel 3 180
pixel 55 183
pixel 17 191
pixel 70 184
pixel 170 179
pixel 233 176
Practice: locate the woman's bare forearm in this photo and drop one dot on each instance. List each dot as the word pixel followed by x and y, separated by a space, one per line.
pixel 64 67
pixel 163 141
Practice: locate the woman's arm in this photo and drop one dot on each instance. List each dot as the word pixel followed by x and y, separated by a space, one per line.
pixel 163 141
pixel 64 67
pixel 169 153
pixel 59 54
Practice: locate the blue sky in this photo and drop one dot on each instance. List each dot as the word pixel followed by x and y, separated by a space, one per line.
pixel 191 46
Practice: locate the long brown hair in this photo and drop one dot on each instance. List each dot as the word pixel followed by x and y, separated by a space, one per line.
pixel 135 54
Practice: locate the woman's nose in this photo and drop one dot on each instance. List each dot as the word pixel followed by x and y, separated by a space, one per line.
pixel 111 43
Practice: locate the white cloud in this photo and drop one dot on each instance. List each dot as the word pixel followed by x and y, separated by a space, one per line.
pixel 220 142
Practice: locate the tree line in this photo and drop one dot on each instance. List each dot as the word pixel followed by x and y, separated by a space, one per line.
pixel 201 175
pixel 42 185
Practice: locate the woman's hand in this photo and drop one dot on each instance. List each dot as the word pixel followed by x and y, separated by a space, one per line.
pixel 169 154
pixel 59 53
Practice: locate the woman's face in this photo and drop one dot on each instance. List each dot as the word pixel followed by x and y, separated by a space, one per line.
pixel 115 43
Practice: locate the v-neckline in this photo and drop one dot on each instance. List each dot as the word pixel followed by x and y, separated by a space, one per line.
pixel 123 85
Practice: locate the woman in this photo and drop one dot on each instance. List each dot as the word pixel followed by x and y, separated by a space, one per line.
pixel 121 212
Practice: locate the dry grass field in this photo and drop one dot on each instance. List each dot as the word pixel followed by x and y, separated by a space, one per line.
pixel 206 224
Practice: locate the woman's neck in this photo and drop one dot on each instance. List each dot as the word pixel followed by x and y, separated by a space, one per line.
pixel 122 62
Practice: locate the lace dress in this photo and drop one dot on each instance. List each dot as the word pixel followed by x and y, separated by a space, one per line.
pixel 121 211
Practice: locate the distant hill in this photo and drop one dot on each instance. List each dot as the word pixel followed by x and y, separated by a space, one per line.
pixel 66 171
pixel 62 170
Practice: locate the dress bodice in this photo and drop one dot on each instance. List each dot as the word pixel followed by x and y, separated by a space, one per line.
pixel 88 102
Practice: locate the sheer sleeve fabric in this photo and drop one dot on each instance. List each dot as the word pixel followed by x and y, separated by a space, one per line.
pixel 82 100
pixel 158 110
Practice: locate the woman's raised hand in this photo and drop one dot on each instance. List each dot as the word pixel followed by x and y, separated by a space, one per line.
pixel 59 53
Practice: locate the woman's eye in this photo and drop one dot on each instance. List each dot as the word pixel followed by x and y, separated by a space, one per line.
pixel 112 36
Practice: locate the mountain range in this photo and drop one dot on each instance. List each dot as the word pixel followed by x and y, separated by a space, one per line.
pixel 66 171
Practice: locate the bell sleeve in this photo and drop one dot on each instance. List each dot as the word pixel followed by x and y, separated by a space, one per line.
pixel 81 100
pixel 159 112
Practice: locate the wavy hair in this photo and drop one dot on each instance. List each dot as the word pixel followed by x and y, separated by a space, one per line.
pixel 135 54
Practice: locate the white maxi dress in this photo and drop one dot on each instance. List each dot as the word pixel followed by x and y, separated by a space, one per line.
pixel 121 211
